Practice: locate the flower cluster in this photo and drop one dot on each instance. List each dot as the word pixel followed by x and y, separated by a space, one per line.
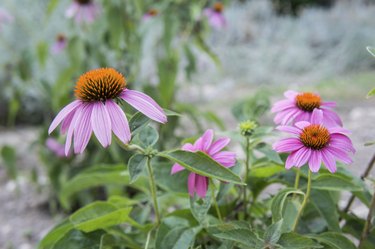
pixel 317 132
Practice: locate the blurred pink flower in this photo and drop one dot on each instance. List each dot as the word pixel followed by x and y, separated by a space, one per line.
pixel 96 110
pixel 215 16
pixel 198 183
pixel 59 44
pixel 54 146
pixel 300 106
pixel 315 143
pixel 150 13
pixel 5 17
pixel 83 11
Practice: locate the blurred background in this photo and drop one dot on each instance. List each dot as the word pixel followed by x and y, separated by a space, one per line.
pixel 212 62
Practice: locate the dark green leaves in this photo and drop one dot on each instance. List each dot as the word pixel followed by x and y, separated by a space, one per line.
pixel 136 165
pixel 334 182
pixel 202 164
pixel 334 240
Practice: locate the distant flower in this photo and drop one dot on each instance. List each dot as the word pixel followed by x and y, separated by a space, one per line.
pixel 300 106
pixel 247 127
pixel 198 183
pixel 54 146
pixel 5 17
pixel 150 13
pixel 215 15
pixel 83 11
pixel 59 44
pixel 96 110
pixel 315 143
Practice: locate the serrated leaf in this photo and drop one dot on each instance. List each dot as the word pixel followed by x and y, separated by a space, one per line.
pixel 99 215
pixel 334 240
pixel 202 164
pixel 136 165
pixel 334 182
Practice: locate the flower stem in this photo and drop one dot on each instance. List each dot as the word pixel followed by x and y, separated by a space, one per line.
pixel 153 190
pixel 296 182
pixel 247 166
pixel 304 202
pixel 367 227
pixel 215 202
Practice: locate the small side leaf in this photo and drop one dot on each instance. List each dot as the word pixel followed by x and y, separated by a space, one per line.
pixel 136 165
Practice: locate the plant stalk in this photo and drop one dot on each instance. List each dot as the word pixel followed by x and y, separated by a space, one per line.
pixel 247 166
pixel 153 190
pixel 215 201
pixel 367 227
pixel 304 202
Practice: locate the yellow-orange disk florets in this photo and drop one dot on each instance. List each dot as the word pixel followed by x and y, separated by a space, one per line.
pixel 153 12
pixel 308 101
pixel 83 2
pixel 218 7
pixel 315 137
pixel 100 84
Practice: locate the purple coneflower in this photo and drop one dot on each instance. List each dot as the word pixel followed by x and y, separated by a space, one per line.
pixel 96 110
pixel 315 143
pixel 300 106
pixel 198 183
pixel 54 146
pixel 59 44
pixel 83 11
pixel 150 13
pixel 215 15
pixel 5 17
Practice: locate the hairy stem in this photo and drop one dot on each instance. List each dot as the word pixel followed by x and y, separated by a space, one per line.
pixel 153 190
pixel 247 166
pixel 305 200
pixel 367 227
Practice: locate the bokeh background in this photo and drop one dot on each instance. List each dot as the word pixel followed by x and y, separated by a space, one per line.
pixel 176 56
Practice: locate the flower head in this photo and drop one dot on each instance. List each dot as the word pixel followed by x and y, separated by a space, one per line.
pixel 5 17
pixel 83 11
pixel 198 183
pixel 59 44
pixel 215 15
pixel 300 106
pixel 247 127
pixel 314 143
pixel 96 110
pixel 54 146
pixel 150 13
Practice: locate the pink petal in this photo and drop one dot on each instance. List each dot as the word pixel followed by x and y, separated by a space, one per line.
pixel 176 168
pixel 303 116
pixel 302 124
pixel 189 147
pixel 329 161
pixel 201 185
pixel 342 142
pixel 217 20
pixel 339 154
pixel 66 122
pixel 317 116
pixel 207 140
pixel 338 130
pixel 63 113
pixel 301 156
pixel 331 118
pixel 290 94
pixel 120 125
pixel 71 129
pixel 101 123
pixel 218 145
pixel 290 160
pixel 144 104
pixel 328 104
pixel 287 145
pixel 288 117
pixel 83 129
pixel 191 184
pixel 282 105
pixel 315 161
pixel 289 129
pixel 225 158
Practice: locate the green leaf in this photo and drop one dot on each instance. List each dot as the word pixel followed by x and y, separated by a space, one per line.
pixel 9 157
pixel 326 207
pixel 52 4
pixel 55 234
pixel 243 236
pixel 42 53
pixel 202 164
pixel 148 136
pixel 78 240
pixel 99 215
pixel 265 169
pixel 171 113
pixel 334 182
pixel 167 71
pixel 137 121
pixel 371 93
pixel 273 233
pixel 371 50
pixel 136 165
pixel 200 206
pixel 201 44
pixel 296 241
pixel 334 240
pixel 278 202
pixel 270 153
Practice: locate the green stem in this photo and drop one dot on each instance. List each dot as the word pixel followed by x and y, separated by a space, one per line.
pixel 130 147
pixel 296 182
pixel 148 239
pixel 305 200
pixel 247 166
pixel 153 190
pixel 215 202
pixel 367 227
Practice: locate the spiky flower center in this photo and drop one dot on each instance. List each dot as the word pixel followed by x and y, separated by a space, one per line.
pixel 99 85
pixel 308 101
pixel 153 12
pixel 60 38
pixel 218 7
pixel 315 137
pixel 83 2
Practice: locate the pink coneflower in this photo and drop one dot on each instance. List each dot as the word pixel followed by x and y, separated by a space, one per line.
pixel 198 183
pixel 59 44
pixel 215 15
pixel 5 17
pixel 54 146
pixel 96 110
pixel 300 106
pixel 83 11
pixel 150 13
pixel 315 143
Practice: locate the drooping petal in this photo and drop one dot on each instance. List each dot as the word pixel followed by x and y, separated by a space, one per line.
pixel 207 139
pixel 191 184
pixel 282 105
pixel 288 117
pixel 339 130
pixel 120 125
pixel 315 160
pixel 218 145
pixel 317 116
pixel 280 117
pixel 176 168
pixel 302 124
pixel 289 129
pixel 302 116
pixel 290 94
pixel 342 142
pixel 189 147
pixel 71 129
pixel 101 124
pixel 83 129
pixel 144 104
pixel 301 156
pixel 290 162
pixel 331 118
pixel 63 113
pixel 225 158
pixel 201 185
pixel 287 145
pixel 341 155
pixel 329 104
pixel 66 122
pixel 329 161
